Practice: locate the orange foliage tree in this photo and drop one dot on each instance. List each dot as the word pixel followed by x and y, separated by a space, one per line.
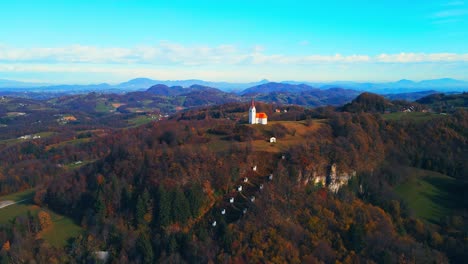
pixel 44 219
pixel 6 246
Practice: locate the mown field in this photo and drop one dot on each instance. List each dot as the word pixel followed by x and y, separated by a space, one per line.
pixel 28 194
pixel 430 195
pixel 413 116
pixel 297 133
pixel 140 120
pixel 58 234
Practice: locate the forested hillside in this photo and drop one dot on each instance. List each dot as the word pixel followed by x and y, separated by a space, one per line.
pixel 156 192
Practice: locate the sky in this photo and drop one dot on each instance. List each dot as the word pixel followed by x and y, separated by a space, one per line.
pixel 236 41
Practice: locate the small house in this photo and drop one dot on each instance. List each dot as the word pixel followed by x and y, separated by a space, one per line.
pixel 272 140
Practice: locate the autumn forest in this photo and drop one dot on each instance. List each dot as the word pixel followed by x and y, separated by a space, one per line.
pixel 370 181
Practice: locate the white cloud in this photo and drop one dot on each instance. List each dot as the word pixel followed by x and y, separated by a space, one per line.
pixel 174 54
pixel 163 53
pixel 421 57
pixel 455 3
pixel 451 13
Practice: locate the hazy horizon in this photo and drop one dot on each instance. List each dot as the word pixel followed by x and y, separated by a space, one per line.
pixel 52 83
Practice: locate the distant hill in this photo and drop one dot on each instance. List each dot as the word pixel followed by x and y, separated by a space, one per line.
pixel 405 86
pixel 374 103
pixel 131 85
pixel 137 84
pixel 445 103
pixel 144 83
pixel 311 98
pixel 276 87
pixel 368 102
pixel 161 89
pixel 413 96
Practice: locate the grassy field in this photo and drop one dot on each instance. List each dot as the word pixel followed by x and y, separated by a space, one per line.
pixel 73 141
pixel 62 229
pixel 429 194
pixel 16 140
pixel 77 164
pixel 10 212
pixel 414 116
pixel 298 131
pixel 140 120
pixel 28 194
pixel 103 107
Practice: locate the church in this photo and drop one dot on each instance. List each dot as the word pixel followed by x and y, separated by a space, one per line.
pixel 256 118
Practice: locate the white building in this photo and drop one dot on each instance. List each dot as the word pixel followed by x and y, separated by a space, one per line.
pixel 257 118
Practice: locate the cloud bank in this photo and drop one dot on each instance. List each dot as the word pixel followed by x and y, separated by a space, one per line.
pixel 170 54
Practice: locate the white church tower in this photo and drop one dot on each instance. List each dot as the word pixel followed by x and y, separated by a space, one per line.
pixel 252 113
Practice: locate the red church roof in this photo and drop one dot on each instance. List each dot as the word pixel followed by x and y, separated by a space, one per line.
pixel 261 115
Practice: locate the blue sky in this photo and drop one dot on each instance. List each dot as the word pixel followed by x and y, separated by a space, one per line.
pixel 112 41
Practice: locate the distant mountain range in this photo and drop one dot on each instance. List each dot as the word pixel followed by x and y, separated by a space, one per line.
pixel 277 87
pixel 170 99
pixel 138 84
pixel 260 87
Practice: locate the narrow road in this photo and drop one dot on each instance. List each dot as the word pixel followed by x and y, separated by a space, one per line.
pixel 4 204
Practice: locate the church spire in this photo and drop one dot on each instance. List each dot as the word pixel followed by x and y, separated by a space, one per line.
pixel 253 103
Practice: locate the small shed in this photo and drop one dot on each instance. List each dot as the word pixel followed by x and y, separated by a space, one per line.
pixel 272 140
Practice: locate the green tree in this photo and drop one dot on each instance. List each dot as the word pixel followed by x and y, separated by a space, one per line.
pixel 99 209
pixel 195 199
pixel 145 249
pixel 181 208
pixel 140 211
pixel 164 207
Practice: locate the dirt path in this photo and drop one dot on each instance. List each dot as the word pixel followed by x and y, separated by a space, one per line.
pixel 4 204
